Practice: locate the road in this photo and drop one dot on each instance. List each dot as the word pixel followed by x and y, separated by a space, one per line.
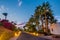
pixel 25 36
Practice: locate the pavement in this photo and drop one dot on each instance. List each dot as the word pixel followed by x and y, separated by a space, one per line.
pixel 13 38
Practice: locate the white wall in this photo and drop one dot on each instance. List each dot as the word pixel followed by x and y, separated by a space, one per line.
pixel 55 29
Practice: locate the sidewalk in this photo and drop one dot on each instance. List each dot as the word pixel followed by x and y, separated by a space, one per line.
pixel 13 38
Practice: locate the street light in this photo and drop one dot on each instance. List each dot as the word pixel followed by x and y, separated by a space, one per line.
pixel 5 14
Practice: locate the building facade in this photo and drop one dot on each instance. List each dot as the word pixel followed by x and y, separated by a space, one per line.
pixel 55 28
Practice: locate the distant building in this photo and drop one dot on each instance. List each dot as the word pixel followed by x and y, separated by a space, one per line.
pixel 20 25
pixel 55 28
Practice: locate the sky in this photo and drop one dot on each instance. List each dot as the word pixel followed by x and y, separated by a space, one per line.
pixel 20 11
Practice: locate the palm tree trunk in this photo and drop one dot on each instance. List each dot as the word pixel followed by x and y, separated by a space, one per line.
pixel 41 21
pixel 38 27
pixel 46 23
pixel 42 25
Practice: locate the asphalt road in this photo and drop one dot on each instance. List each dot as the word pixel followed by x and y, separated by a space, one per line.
pixel 25 36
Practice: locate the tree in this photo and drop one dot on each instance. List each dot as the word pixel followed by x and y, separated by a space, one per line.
pixel 5 14
pixel 48 16
pixel 37 15
pixel 30 26
pixel 43 16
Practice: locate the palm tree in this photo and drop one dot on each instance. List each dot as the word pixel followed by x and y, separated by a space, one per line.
pixel 38 16
pixel 45 10
pixel 5 14
pixel 48 16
